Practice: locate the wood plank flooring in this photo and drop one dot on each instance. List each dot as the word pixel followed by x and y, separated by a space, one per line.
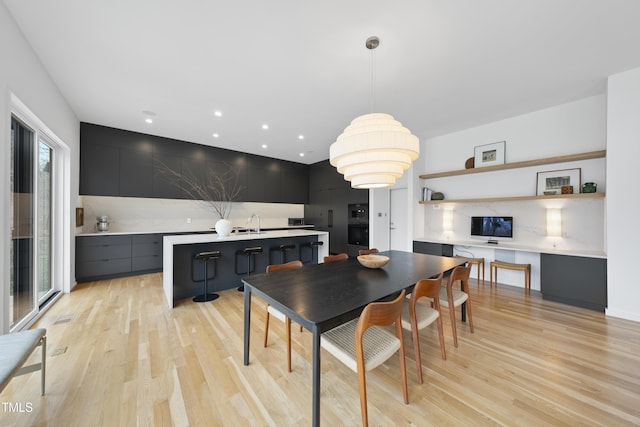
pixel 131 361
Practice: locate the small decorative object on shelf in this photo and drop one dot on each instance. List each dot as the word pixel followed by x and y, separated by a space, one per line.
pixel 554 180
pixel 437 196
pixel 470 163
pixel 549 193
pixel 566 189
pixel 589 187
pixel 426 194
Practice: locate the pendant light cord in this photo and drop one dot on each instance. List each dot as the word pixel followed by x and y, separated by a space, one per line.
pixel 372 81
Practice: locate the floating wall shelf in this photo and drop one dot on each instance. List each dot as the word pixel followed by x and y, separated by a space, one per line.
pixel 516 198
pixel 515 165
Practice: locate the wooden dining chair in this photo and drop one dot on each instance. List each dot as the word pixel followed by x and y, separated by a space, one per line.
pixel 368 251
pixel 362 352
pixel 416 316
pixel 277 313
pixel 338 257
pixel 452 298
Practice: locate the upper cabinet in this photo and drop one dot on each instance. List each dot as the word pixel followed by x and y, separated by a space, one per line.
pixel 116 162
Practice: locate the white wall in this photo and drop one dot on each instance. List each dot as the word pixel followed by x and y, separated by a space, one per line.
pixel 571 128
pixel 623 174
pixel 22 74
pixel 565 129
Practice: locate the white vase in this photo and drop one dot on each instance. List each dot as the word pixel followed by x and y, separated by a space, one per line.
pixel 223 227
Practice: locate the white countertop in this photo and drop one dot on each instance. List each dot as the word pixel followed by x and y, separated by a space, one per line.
pixel 209 231
pixel 185 239
pixel 515 247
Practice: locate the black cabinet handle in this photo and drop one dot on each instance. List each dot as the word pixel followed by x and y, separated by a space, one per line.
pixel 330 218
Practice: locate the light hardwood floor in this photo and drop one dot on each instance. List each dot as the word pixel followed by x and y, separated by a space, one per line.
pixel 129 361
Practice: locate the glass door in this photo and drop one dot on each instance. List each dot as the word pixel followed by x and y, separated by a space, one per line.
pixel 22 300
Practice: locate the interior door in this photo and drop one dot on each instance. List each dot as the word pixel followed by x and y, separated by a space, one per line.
pixel 398 222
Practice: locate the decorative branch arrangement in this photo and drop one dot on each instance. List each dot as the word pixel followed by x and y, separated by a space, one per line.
pixel 218 190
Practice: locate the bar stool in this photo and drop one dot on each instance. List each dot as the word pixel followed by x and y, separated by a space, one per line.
pixel 313 246
pixel 206 256
pixel 249 253
pixel 283 251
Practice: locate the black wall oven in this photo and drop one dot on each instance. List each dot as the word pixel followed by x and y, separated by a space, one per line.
pixel 358 225
pixel 358 234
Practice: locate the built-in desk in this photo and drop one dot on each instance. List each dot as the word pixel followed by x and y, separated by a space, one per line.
pixel 573 277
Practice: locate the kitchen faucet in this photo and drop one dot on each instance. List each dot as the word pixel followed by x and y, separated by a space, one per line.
pixel 250 221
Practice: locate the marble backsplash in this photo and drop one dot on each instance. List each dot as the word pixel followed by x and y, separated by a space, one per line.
pixel 151 215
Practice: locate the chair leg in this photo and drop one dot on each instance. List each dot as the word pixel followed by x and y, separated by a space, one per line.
pixel 287 323
pixel 43 366
pixel 467 305
pixel 403 362
pixel 452 316
pixel 266 326
pixel 441 337
pixel 362 385
pixel 416 348
pixel 469 314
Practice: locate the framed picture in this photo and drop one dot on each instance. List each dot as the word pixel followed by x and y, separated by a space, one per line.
pixel 551 182
pixel 489 154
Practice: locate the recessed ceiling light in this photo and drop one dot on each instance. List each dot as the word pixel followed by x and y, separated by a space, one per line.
pixel 301 154
pixel 148 120
pixel 217 113
pixel 300 136
pixel 264 145
pixel 215 135
pixel 265 126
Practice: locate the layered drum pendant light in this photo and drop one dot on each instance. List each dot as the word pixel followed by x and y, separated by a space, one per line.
pixel 375 149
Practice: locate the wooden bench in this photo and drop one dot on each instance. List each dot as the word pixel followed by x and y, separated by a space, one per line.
pixel 15 349
pixel 479 263
pixel 525 268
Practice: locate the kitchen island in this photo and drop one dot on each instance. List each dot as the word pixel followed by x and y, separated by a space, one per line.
pixel 183 275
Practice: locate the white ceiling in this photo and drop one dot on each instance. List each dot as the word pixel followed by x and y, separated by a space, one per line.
pixel 301 66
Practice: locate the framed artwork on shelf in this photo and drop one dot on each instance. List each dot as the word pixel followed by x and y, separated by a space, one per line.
pixel 551 182
pixel 489 154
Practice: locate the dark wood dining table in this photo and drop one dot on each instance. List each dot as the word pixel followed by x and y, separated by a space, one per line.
pixel 323 296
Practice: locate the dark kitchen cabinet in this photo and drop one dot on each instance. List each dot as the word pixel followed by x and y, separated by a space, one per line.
pixel 136 172
pixel 99 170
pixel 99 257
pixel 295 183
pixel 574 280
pixel 329 197
pixel 264 179
pixel 166 184
pixel 431 248
pixel 102 257
pixel 146 252
pixel 115 162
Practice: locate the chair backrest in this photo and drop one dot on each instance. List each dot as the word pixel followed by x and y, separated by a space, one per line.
pixel 339 257
pixel 462 274
pixel 368 251
pixel 286 266
pixel 380 314
pixel 429 288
